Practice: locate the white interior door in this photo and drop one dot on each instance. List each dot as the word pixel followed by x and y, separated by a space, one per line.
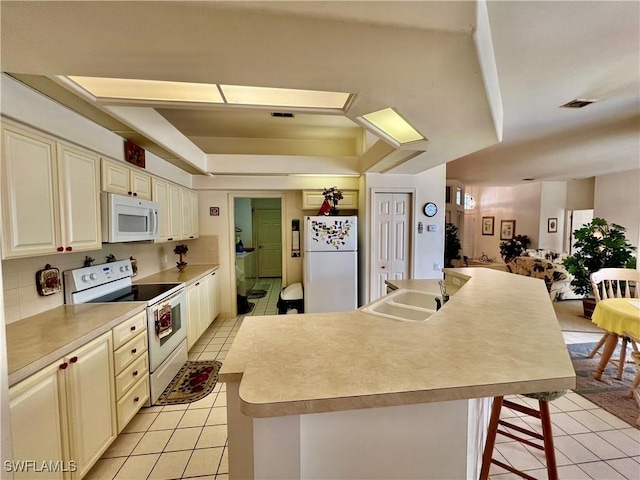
pixel 578 218
pixel 269 240
pixel 390 244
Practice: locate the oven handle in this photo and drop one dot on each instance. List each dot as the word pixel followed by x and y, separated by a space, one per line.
pixel 177 297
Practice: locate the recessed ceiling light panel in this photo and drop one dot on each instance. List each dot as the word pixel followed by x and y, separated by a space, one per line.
pixel 391 124
pixel 133 89
pixel 284 97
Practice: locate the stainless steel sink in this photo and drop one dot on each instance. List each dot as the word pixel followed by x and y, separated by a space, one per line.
pixel 404 305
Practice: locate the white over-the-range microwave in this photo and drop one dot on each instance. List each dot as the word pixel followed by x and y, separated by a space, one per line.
pixel 128 219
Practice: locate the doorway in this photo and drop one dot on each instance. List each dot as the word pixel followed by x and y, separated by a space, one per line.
pixel 576 219
pixel 391 245
pixel 257 245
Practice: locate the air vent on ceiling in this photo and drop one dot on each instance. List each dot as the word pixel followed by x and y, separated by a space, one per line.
pixel 282 114
pixel 577 103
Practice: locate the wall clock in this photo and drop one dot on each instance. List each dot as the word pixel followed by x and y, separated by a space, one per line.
pixel 430 209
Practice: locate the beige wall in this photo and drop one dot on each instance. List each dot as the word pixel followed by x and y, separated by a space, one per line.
pixel 580 194
pixel 617 199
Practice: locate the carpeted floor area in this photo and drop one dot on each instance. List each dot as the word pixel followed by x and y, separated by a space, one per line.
pixel 569 314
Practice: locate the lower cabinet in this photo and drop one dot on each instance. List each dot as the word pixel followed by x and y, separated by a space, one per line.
pixel 63 417
pixel 203 306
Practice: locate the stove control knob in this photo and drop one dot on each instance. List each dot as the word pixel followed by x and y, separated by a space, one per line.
pixel 124 268
pixel 85 278
pixel 93 276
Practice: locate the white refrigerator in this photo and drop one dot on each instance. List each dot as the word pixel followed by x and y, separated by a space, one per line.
pixel 330 271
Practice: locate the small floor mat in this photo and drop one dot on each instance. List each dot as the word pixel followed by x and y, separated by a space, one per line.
pixel 194 381
pixel 257 294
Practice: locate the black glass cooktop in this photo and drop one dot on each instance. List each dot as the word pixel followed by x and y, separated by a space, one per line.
pixel 143 292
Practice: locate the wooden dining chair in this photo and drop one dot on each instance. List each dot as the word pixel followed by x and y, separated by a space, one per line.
pixel 616 283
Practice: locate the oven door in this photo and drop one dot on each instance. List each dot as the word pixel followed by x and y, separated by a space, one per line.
pixel 167 327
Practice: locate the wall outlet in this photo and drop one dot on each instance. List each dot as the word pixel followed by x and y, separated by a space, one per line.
pixel 456 281
pixel 437 266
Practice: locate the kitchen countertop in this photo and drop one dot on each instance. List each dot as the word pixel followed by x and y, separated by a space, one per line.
pixel 173 275
pixel 485 341
pixel 36 341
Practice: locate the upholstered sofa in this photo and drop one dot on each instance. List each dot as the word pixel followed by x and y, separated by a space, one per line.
pixel 538 264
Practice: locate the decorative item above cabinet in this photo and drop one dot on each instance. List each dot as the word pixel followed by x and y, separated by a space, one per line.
pixel 312 200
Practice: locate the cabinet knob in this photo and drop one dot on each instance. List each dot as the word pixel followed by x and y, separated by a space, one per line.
pixel 170 238
pixel 133 328
pixel 134 350
pixel 63 365
pixel 191 236
pixel 197 283
pixel 136 399
pixel 135 194
pixel 73 359
pixel 129 193
pixel 135 374
pixel 60 249
pixel 68 249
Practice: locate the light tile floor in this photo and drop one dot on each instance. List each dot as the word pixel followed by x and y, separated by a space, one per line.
pixel 190 441
pixel 266 305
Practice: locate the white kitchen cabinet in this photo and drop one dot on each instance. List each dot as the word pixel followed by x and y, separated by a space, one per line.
pixel 124 180
pixel 175 207
pixel 51 199
pixel 35 406
pixel 160 194
pixel 131 368
pixel 313 199
pixel 203 305
pixel 66 411
pixel 195 222
pixel 188 227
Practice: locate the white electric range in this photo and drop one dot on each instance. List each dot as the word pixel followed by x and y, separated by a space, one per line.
pixel 166 313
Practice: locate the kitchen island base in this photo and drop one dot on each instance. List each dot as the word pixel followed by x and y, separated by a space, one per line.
pixel 437 440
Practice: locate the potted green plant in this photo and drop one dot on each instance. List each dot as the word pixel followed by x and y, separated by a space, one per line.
pixel 451 244
pixel 598 244
pixel 514 247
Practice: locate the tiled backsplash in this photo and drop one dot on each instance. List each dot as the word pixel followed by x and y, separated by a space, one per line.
pixel 21 298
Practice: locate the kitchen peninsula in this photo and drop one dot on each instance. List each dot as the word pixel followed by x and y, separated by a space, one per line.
pixel 355 395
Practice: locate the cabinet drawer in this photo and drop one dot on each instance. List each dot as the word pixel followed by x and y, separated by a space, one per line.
pixel 129 405
pixel 130 375
pixel 129 352
pixel 129 329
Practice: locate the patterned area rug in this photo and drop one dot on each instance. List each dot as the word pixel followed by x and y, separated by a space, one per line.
pixel 257 294
pixel 610 393
pixel 194 381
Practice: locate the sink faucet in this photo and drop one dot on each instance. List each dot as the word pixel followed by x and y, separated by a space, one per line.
pixel 443 292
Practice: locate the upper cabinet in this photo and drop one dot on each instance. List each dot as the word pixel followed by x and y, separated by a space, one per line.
pixel 312 200
pixel 117 177
pixel 178 211
pixel 51 195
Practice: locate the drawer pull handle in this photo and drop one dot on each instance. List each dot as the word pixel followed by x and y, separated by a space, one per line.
pixel 136 399
pixel 170 238
pixel 133 329
pixel 135 374
pixel 63 365
pixel 73 359
pixel 134 350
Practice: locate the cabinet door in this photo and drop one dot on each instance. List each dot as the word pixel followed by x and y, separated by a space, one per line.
pixel 193 315
pixel 115 177
pixel 140 183
pixel 205 309
pixel 194 214
pixel 79 184
pixel 89 382
pixel 36 421
pixel 214 299
pixel 29 194
pixel 187 219
pixel 161 195
pixel 175 215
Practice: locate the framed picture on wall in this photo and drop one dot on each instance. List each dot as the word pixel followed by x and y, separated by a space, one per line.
pixel 507 229
pixel 552 225
pixel 487 225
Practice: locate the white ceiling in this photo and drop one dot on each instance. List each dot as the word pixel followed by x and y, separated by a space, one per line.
pixel 420 57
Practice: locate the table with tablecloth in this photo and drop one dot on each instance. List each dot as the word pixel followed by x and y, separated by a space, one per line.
pixel 618 316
